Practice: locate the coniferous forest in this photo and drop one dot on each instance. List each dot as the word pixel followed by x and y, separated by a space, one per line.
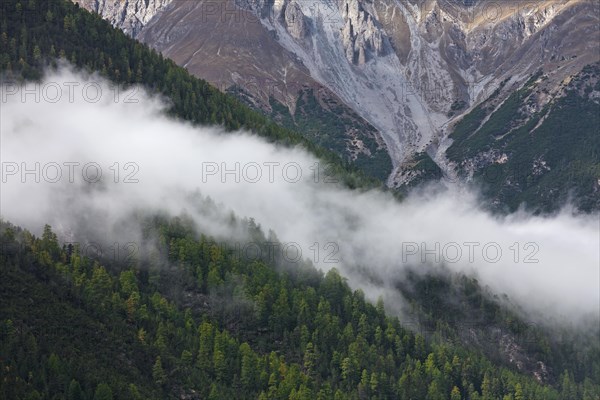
pixel 189 317
pixel 197 317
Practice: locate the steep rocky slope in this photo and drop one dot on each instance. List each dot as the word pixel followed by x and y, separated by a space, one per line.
pixel 409 68
pixel 539 147
pixel 129 15
pixel 230 48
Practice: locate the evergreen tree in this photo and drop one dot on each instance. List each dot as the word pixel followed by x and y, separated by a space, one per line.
pixel 103 392
pixel 158 374
pixel 74 392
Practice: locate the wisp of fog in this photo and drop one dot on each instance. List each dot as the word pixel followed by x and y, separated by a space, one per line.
pixel 83 156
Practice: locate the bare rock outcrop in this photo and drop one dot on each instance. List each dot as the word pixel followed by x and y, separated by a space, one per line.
pixel 129 15
pixel 361 35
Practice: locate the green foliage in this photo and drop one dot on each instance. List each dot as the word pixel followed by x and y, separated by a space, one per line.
pixel 423 169
pixel 34 38
pixel 158 374
pixel 103 392
pixel 311 337
pixel 335 127
pixel 202 318
pixel 74 392
pixel 551 155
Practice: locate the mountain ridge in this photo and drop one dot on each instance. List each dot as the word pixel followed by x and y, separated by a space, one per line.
pixel 316 337
pixel 411 69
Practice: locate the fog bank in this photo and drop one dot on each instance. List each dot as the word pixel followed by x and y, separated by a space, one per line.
pixel 83 157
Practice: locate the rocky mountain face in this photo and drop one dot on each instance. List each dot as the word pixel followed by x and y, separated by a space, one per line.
pixel 230 47
pixel 129 15
pixel 410 69
pixel 539 147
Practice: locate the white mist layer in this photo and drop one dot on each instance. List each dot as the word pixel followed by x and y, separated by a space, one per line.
pixel 548 264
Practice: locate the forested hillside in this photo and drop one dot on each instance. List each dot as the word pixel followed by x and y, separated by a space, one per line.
pixel 525 151
pixel 180 315
pixel 198 319
pixel 37 34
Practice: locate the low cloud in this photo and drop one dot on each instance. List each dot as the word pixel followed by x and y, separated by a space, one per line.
pixel 83 156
